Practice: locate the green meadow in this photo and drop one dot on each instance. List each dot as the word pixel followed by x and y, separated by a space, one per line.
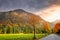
pixel 20 36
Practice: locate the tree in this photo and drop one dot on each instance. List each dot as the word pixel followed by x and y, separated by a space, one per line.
pixel 33 21
pixel 56 27
pixel 46 27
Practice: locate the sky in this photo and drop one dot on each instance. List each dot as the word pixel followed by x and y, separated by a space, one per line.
pixel 50 14
pixel 28 5
pixel 41 8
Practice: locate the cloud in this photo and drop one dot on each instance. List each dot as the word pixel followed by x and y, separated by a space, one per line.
pixel 55 2
pixel 29 5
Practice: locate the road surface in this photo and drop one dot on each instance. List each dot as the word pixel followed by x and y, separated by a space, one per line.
pixel 51 37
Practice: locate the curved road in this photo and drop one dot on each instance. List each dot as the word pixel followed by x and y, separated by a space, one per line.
pixel 51 37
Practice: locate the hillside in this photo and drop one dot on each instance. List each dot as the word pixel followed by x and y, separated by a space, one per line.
pixel 17 16
pixel 20 20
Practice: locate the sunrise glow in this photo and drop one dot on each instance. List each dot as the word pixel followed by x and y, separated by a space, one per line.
pixel 50 14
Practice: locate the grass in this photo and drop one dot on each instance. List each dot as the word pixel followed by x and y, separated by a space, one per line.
pixel 20 36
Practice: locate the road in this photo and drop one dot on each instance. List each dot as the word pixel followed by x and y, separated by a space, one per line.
pixel 51 37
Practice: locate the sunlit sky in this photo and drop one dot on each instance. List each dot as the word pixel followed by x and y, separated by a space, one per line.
pixel 50 14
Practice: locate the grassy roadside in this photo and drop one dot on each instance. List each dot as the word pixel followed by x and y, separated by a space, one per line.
pixel 20 36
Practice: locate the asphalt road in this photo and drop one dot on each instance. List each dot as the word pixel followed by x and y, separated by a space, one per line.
pixel 51 37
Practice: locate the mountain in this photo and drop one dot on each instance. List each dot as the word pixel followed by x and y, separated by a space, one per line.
pixel 57 21
pixel 16 15
pixel 19 18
